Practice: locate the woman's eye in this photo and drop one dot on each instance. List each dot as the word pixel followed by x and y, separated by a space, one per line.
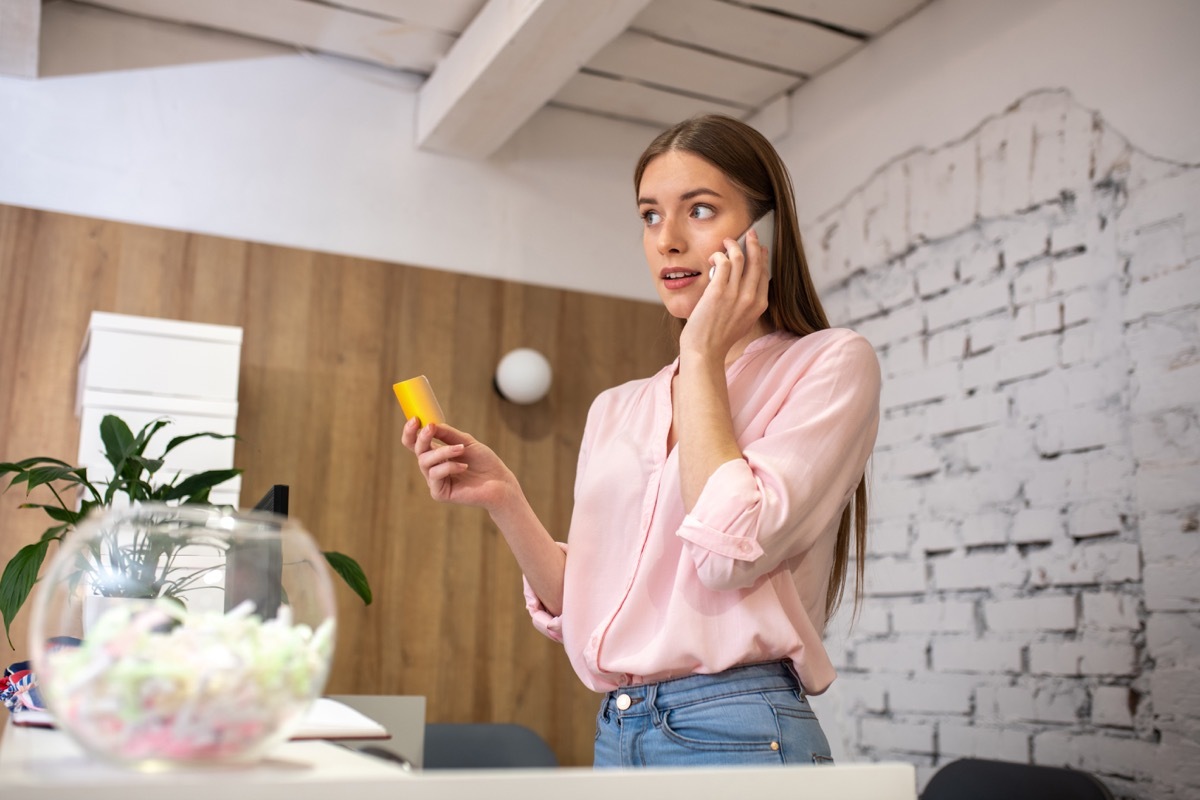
pixel 650 217
pixel 702 212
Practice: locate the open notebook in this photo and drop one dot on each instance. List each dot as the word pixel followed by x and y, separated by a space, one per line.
pixel 326 719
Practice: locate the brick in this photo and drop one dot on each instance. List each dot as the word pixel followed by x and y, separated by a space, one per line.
pixel 946 345
pixel 980 263
pixel 977 741
pixel 1108 473
pixel 1083 565
pixel 1053 700
pixel 888 537
pixel 985 528
pixel 1177 387
pixel 906 654
pixel 893 325
pixel 1024 360
pixel 969 654
pixel 901 425
pixel 1095 518
pixel 1029 241
pixel 1082 306
pixel 1071 234
pixel 944 190
pixel 1090 343
pixel 1079 429
pixel 1173 640
pixel 1177 762
pixel 1170 546
pixel 1171 587
pixel 873 619
pixel 860 693
pixel 937 535
pixel 1036 525
pixel 1169 435
pixel 914 459
pixel 1032 283
pixel 896 498
pixel 966 494
pixel 979 571
pixel 1158 249
pixel 1055 481
pixel 1105 755
pixel 944 694
pixel 1167 292
pixel 900 737
pixel 1109 655
pixel 1005 145
pixel 968 301
pixel 935 277
pixel 1157 201
pixel 1061 153
pixel 934 616
pixel 1039 318
pixel 904 358
pixel 1167 487
pixel 932 384
pixel 891 576
pixel 1176 696
pixel 1110 611
pixel 964 414
pixel 985 333
pixel 1079 271
pixel 1042 613
pixel 1112 706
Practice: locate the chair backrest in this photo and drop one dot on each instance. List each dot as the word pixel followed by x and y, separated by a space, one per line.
pixel 484 745
pixel 983 779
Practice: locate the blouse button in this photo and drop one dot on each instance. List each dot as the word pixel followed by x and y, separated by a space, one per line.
pixel 624 702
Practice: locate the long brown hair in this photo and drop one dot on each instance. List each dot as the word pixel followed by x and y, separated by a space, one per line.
pixel 751 163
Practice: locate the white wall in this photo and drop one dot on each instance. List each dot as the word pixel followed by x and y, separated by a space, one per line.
pixel 310 152
pixel 956 62
pixel 1016 234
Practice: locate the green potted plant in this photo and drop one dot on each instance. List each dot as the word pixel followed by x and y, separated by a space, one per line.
pixel 144 566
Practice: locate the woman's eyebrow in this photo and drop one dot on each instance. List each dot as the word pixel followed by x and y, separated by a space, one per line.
pixel 685 196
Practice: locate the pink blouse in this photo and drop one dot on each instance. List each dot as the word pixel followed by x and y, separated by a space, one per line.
pixel 652 592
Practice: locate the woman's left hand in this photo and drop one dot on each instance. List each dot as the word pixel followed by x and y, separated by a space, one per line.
pixel 733 301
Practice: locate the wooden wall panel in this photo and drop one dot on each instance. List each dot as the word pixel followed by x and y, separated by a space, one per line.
pixel 324 338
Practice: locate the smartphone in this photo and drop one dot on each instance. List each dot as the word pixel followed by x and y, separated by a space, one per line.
pixel 765 227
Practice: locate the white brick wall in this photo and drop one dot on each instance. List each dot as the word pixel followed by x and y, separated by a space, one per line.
pixel 1033 291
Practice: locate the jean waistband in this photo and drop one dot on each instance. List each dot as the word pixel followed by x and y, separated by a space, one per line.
pixel 676 692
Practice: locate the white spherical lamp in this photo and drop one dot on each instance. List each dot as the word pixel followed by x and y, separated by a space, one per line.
pixel 523 376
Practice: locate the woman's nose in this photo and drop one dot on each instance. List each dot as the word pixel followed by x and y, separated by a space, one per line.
pixel 670 238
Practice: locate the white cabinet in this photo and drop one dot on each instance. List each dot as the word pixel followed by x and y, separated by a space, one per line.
pixel 142 369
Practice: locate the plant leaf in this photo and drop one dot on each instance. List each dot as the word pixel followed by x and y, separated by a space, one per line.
pixel 351 573
pixel 193 484
pixel 17 581
pixel 41 475
pixel 56 513
pixel 147 433
pixel 178 440
pixel 118 441
pixel 151 465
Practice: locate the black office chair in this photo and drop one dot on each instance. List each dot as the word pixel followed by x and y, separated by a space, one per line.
pixel 982 779
pixel 485 745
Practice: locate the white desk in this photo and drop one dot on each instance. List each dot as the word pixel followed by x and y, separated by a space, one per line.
pixel 40 764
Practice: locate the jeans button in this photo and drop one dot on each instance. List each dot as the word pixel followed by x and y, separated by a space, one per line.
pixel 624 702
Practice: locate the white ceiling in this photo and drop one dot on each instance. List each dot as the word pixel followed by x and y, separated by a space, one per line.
pixel 488 65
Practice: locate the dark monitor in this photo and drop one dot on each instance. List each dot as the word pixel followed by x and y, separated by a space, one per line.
pixel 254 570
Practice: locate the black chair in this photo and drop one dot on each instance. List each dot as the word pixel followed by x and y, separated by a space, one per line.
pixel 982 779
pixel 484 745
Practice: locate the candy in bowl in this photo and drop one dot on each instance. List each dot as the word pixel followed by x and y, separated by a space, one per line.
pixel 183 635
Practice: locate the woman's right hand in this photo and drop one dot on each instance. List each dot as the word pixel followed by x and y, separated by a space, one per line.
pixel 462 470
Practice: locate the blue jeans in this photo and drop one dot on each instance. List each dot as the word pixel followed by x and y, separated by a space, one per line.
pixel 755 714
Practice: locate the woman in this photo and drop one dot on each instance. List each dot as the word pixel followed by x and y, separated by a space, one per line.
pixel 712 522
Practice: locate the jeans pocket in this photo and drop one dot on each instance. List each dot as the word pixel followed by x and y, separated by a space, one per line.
pixel 742 723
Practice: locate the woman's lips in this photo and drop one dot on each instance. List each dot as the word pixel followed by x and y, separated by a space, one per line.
pixel 675 278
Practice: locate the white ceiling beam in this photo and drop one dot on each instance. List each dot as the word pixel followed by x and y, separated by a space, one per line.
pixel 513 57
pixel 20 25
pixel 312 26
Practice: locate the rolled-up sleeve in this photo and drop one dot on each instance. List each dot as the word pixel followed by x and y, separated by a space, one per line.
pixel 549 624
pixel 793 482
